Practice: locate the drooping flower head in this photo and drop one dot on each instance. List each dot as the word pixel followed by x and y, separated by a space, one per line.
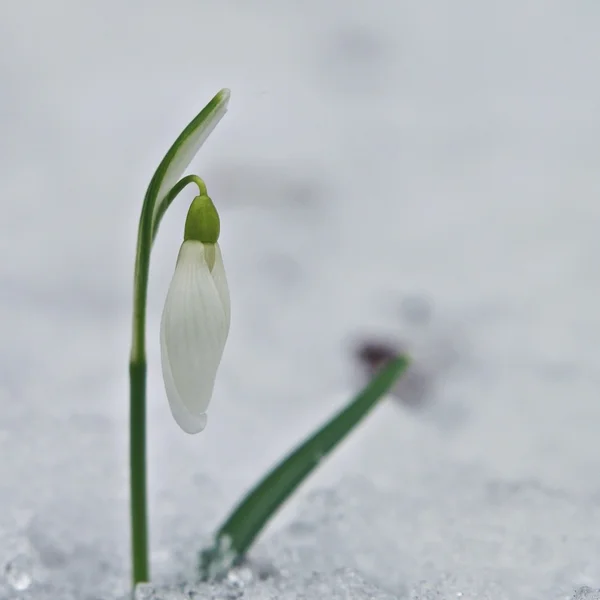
pixel 196 318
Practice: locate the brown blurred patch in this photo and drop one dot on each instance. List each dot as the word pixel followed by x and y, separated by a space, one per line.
pixel 413 388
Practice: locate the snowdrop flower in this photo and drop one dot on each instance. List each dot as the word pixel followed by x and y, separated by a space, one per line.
pixel 195 320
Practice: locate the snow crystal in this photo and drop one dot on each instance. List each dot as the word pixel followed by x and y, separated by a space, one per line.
pixel 342 584
pixel 586 593
pixel 17 572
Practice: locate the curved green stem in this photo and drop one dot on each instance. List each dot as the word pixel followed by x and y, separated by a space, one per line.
pixel 137 401
pixel 148 227
pixel 164 204
pixel 160 193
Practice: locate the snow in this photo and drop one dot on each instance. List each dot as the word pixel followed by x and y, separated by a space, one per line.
pixel 375 155
pixel 586 593
pixel 343 584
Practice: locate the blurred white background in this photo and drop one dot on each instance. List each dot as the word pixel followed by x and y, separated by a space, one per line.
pixel 374 154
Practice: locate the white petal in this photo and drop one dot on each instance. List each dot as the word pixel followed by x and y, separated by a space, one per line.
pixel 194 330
pixel 183 417
pixel 218 275
pixel 188 147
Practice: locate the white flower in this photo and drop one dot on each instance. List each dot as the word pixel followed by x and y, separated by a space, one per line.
pixel 194 329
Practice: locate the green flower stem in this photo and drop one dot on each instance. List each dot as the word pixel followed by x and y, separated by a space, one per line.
pixel 137 458
pixel 137 410
pixel 162 207
pixel 163 188
pixel 137 380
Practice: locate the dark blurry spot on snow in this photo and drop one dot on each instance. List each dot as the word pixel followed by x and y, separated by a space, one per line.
pixel 268 186
pixel 281 269
pixel 416 309
pixel 413 387
pixel 354 53
pixel 436 351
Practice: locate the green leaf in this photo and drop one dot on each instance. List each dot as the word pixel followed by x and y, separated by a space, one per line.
pixel 243 525
pixel 163 188
pixel 181 154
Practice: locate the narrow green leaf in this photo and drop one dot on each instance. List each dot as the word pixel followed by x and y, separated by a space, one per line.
pixel 161 191
pixel 182 152
pixel 243 525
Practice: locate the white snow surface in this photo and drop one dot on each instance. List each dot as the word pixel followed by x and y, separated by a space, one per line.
pixel 376 156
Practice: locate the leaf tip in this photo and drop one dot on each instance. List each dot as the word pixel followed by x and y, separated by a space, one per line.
pixel 223 96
